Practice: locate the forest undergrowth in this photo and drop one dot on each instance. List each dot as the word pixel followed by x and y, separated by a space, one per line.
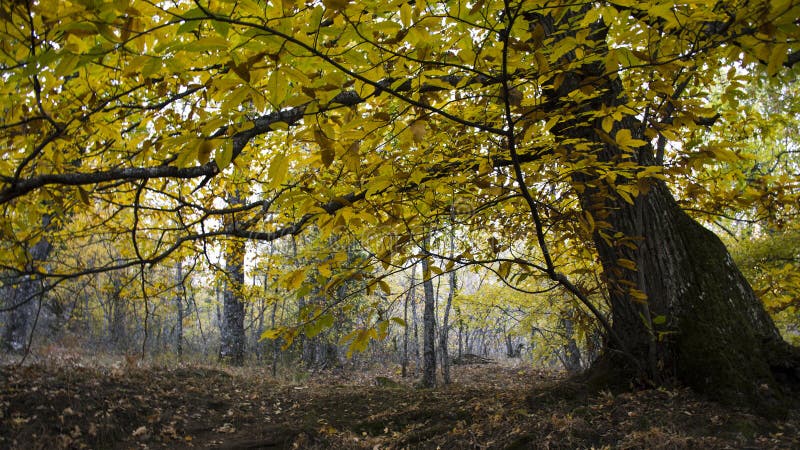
pixel 67 403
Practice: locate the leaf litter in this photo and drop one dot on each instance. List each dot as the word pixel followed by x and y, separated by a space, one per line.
pixel 486 406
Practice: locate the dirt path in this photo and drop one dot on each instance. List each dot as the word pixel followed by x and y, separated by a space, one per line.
pixel 200 407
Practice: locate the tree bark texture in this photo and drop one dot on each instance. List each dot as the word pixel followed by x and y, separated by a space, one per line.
pixel 572 354
pixel 701 321
pixel 717 337
pixel 117 321
pixel 409 298
pixel 445 331
pixel 20 293
pixel 232 329
pixel 428 329
pixel 232 335
pixel 179 309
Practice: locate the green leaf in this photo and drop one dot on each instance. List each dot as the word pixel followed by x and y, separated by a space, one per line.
pixel 207 44
pixel 318 325
pixel 778 55
pixel 224 154
pixel 151 67
pixel 67 64
pixel 405 14
pixel 222 28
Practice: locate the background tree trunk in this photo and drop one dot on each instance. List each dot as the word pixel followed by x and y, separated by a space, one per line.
pixel 20 293
pixel 117 326
pixel 572 354
pixel 409 298
pixel 179 296
pixel 445 331
pixel 232 336
pixel 460 333
pixel 417 360
pixel 428 329
pixel 232 330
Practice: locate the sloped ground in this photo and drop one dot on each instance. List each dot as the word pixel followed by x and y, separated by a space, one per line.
pixel 68 406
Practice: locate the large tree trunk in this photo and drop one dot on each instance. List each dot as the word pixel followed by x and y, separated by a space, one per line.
pixel 701 321
pixel 716 335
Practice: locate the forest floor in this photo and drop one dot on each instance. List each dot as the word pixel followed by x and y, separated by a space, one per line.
pixel 487 406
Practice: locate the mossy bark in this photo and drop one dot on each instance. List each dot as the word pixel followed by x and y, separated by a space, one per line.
pixel 701 323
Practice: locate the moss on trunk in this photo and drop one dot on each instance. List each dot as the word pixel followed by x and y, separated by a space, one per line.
pixel 723 332
pixel 717 338
pixel 712 333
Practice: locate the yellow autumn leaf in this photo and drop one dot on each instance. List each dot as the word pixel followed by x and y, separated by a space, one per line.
pixel 224 154
pixel 624 139
pixel 204 150
pixel 326 146
pixel 637 295
pixel 778 55
pixel 405 14
pixel 336 5
pixel 385 287
pixel 292 280
pixel 608 124
pixel 504 269
pixel 278 168
pixel 589 221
